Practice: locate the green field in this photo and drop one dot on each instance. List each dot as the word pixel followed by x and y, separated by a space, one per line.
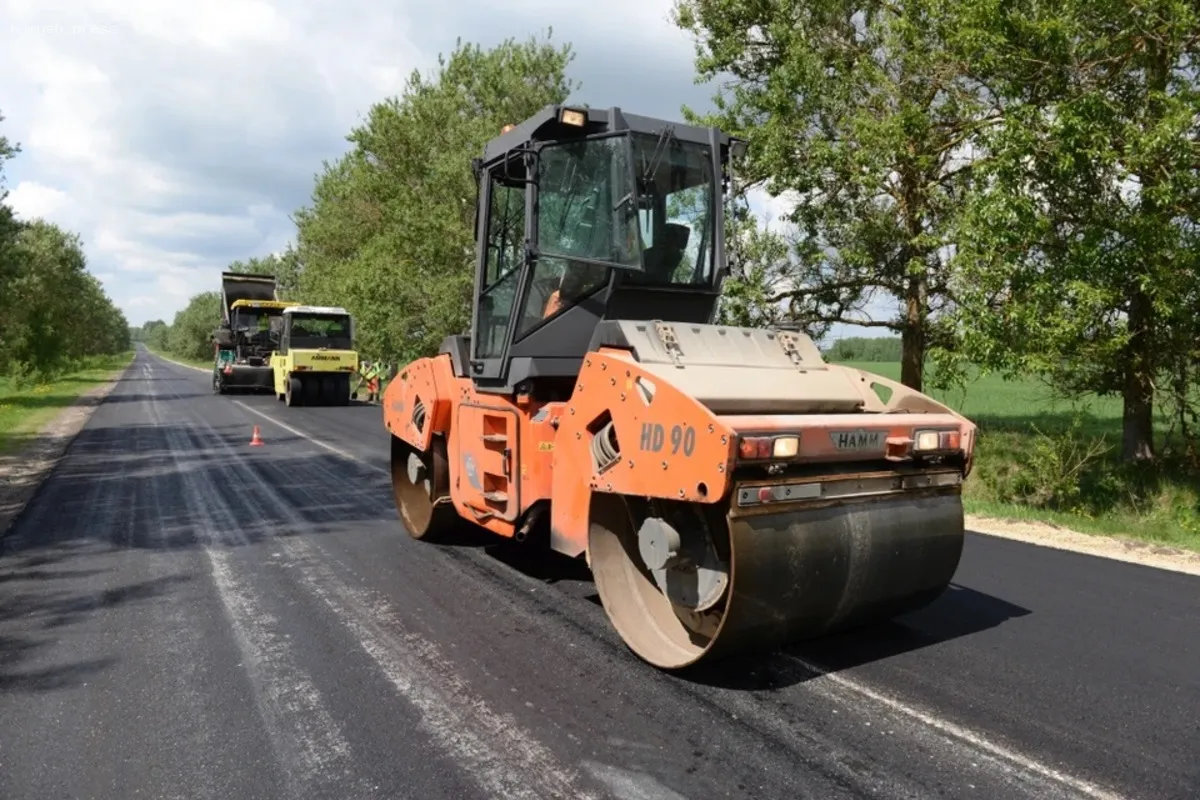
pixel 24 412
pixel 1050 459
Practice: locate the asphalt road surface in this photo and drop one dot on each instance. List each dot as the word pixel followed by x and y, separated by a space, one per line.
pixel 183 615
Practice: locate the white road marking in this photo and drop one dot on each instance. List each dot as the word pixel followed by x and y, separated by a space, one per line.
pixel 302 434
pixel 495 751
pixel 956 733
pixel 505 759
pixel 307 742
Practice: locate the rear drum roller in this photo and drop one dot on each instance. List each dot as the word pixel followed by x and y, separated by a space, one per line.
pixel 418 479
pixel 681 584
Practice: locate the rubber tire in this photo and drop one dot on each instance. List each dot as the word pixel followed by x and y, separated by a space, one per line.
pixel 311 390
pixel 294 393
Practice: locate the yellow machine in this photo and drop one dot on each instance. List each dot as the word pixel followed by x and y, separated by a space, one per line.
pixel 316 356
pixel 248 334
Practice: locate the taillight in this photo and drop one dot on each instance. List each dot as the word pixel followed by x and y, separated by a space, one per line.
pixel 754 448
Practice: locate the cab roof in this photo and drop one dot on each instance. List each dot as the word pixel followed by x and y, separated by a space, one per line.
pixel 547 124
pixel 271 304
pixel 329 310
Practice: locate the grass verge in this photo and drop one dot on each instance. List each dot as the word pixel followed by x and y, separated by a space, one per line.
pixel 1048 459
pixel 25 411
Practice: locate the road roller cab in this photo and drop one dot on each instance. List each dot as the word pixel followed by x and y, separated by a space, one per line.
pixel 729 489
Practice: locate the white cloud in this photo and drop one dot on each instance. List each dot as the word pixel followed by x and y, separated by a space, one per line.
pixel 175 138
pixel 178 137
pixel 31 199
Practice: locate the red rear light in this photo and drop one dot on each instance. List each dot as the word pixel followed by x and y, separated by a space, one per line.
pixel 782 448
pixel 752 447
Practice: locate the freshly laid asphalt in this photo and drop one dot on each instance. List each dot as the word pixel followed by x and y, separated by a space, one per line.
pixel 183 615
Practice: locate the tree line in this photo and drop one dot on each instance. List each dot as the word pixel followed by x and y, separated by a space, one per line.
pixel 54 315
pixel 1020 180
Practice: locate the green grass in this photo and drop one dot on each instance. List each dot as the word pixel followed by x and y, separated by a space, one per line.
pixel 24 412
pixel 1045 458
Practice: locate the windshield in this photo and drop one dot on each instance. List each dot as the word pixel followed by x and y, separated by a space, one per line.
pixel 589 217
pixel 675 210
pixel 257 324
pixel 585 195
pixel 321 330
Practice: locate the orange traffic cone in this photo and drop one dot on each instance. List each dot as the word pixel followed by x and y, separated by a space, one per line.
pixel 255 441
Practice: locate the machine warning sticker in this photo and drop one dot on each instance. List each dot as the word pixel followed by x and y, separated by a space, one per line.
pixel 857 440
pixel 682 438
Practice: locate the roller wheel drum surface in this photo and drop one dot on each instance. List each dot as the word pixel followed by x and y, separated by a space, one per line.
pixel 418 478
pixel 792 575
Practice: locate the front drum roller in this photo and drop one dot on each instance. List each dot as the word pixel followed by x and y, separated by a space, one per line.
pixel 745 582
pixel 421 486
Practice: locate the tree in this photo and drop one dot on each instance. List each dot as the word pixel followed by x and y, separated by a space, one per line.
pixel 1081 256
pixel 758 291
pixel 191 332
pixel 881 349
pixel 55 310
pixel 157 334
pixel 859 109
pixel 389 233
pixel 8 231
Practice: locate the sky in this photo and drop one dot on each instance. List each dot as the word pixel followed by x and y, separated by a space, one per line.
pixel 176 137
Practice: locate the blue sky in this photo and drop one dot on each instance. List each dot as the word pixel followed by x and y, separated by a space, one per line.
pixel 178 137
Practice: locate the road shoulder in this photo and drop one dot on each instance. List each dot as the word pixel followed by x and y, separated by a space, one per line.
pixel 23 471
pixel 1131 551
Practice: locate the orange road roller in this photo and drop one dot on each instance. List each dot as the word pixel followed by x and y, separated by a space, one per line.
pixel 730 490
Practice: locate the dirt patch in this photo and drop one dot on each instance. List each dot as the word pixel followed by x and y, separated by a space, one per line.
pixel 23 470
pixel 1121 549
